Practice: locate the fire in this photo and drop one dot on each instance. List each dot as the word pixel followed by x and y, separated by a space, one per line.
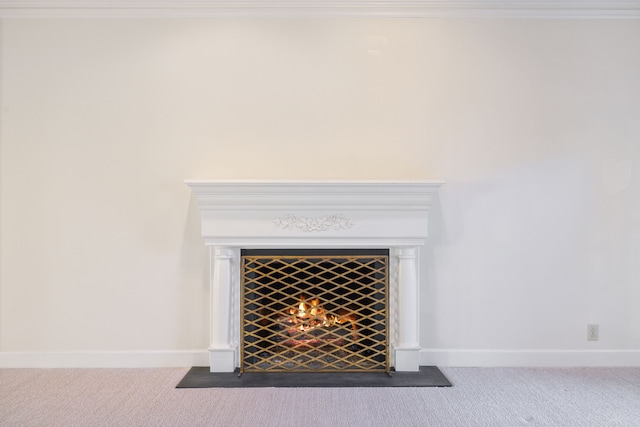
pixel 312 315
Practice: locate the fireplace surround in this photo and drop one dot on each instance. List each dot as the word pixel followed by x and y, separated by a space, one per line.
pixel 239 215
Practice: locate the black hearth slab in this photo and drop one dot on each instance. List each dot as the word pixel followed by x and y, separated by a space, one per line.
pixel 200 377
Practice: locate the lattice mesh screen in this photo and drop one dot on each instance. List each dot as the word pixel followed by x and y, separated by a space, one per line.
pixel 315 312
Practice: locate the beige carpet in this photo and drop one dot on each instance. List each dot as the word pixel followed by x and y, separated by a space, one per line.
pixel 479 397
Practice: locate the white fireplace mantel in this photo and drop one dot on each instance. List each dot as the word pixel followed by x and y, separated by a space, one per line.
pixel 314 214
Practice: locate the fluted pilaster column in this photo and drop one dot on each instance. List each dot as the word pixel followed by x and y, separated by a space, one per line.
pixel 221 350
pixel 407 351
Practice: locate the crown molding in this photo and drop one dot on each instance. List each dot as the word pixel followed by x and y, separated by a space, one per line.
pixel 564 9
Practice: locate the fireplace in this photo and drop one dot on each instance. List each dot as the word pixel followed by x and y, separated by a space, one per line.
pixel 314 310
pixel 314 275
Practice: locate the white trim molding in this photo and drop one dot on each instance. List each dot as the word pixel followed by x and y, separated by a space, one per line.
pixel 529 358
pixel 104 359
pixel 428 357
pixel 566 9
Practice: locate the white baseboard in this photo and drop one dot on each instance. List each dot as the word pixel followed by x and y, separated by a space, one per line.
pixel 529 358
pixel 438 357
pixel 105 359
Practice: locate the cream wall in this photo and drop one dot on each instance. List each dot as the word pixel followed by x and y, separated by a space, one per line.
pixel 534 124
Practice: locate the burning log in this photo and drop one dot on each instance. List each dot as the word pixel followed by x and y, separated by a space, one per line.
pixel 309 316
pixel 345 316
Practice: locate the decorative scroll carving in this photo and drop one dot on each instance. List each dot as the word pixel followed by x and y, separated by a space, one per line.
pixel 306 224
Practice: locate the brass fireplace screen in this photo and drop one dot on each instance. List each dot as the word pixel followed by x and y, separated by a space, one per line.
pixel 314 310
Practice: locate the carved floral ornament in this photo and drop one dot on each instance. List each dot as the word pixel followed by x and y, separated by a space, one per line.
pixel 307 224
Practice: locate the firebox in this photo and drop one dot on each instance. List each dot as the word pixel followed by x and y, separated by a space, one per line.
pixel 314 310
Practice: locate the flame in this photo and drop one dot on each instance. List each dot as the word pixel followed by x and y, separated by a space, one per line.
pixel 311 315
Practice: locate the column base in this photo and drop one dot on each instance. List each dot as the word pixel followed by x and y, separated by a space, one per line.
pixel 222 359
pixel 407 359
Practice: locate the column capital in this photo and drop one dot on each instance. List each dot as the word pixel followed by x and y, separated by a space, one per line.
pixel 407 252
pixel 222 252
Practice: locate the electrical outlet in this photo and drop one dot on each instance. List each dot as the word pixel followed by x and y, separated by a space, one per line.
pixel 593 332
